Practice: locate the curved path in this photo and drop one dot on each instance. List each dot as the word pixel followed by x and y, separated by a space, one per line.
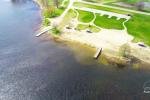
pixel 92 21
pixel 103 12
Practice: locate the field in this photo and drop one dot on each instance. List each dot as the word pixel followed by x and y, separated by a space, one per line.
pixel 108 23
pixel 85 16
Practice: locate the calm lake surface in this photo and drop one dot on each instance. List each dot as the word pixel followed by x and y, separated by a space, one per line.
pixel 34 68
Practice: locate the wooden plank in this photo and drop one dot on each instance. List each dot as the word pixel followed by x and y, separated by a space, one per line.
pixel 98 53
pixel 46 29
pixel 39 34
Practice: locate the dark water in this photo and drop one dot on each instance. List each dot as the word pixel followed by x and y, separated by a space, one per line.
pixel 41 69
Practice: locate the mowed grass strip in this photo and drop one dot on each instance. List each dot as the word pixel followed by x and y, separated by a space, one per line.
pixel 85 16
pixel 109 23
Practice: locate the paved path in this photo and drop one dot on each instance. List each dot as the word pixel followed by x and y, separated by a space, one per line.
pixel 68 8
pixel 103 12
pixel 92 22
pixel 119 8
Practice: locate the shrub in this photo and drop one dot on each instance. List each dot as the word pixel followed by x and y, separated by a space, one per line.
pixel 50 13
pixel 125 50
pixel 46 22
pixel 55 31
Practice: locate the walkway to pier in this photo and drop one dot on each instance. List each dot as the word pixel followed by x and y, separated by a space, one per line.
pixel 44 30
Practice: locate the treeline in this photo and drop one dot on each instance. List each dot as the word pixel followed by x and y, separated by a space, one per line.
pixel 49 3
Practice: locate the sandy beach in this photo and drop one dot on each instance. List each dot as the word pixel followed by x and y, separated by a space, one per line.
pixel 108 39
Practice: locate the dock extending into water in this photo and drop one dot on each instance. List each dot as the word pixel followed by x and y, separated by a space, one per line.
pixel 98 53
pixel 44 30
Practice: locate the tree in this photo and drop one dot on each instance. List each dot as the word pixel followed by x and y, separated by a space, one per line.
pixel 140 5
pixel 125 50
pixel 44 3
pixel 56 3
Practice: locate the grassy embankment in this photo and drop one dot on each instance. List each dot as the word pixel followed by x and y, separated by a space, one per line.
pixel 138 25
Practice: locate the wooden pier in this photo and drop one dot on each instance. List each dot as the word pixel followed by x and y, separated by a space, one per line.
pixel 46 29
pixel 98 53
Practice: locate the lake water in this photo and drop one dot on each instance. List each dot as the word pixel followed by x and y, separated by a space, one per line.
pixel 34 68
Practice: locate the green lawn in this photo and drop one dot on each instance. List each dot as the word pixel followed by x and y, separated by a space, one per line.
pixel 90 27
pixel 108 23
pixel 85 16
pixel 139 27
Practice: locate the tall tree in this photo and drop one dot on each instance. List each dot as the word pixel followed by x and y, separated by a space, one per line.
pixel 44 3
pixel 56 3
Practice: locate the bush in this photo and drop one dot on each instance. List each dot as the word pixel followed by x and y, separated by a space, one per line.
pixel 50 13
pixel 125 50
pixel 46 22
pixel 56 31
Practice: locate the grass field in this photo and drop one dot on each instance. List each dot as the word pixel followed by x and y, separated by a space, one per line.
pixel 101 21
pixel 90 27
pixel 85 16
pixel 138 26
pixel 108 23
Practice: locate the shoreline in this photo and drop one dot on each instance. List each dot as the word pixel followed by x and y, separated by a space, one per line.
pixel 110 40
pixel 38 3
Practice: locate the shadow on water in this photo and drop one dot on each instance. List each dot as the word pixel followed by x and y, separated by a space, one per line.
pixel 19 1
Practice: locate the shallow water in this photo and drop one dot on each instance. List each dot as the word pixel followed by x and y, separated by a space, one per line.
pixel 34 68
